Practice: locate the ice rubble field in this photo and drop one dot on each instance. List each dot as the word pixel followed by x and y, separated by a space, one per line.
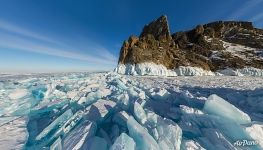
pixel 100 111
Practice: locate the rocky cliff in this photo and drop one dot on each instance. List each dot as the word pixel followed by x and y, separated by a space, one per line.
pixel 211 47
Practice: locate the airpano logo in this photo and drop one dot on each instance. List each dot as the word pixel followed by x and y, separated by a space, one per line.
pixel 245 143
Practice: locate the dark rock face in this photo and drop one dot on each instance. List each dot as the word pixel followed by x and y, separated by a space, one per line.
pixel 158 28
pixel 195 47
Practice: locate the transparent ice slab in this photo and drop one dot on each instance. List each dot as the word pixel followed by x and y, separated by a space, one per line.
pixel 140 135
pixel 217 106
pixel 123 142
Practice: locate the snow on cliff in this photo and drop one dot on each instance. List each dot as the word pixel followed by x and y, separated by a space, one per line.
pixel 152 69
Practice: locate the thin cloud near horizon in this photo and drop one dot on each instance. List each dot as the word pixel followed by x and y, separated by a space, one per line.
pixel 93 39
pixel 13 35
pixel 245 9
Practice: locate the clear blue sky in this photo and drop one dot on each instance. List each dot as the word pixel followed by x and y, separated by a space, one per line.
pixel 86 35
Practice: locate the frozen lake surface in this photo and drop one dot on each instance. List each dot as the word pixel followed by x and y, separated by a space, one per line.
pixel 111 111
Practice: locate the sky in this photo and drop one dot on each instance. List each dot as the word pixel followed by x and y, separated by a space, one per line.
pixel 86 35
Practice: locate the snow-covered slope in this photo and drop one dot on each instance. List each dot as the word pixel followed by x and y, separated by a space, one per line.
pixel 243 52
pixel 110 111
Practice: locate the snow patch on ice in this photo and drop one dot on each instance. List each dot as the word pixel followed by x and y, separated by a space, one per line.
pixel 18 93
pixel 191 145
pixel 13 135
pixel 256 132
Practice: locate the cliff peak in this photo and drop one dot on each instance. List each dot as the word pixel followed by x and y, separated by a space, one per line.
pixel 213 46
pixel 159 28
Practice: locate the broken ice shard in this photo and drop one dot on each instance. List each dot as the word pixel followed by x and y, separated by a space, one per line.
pixel 79 135
pixel 216 138
pixel 123 101
pixel 139 113
pixel 190 145
pixel 39 93
pixel 114 132
pixel 56 145
pixel 217 106
pixel 234 132
pixel 92 97
pixel 120 84
pixel 99 110
pixel 170 134
pixel 102 133
pixel 160 94
pixel 123 142
pixel 166 132
pixel 63 88
pixel 95 143
pixel 142 138
pixel 55 124
pixel 121 118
